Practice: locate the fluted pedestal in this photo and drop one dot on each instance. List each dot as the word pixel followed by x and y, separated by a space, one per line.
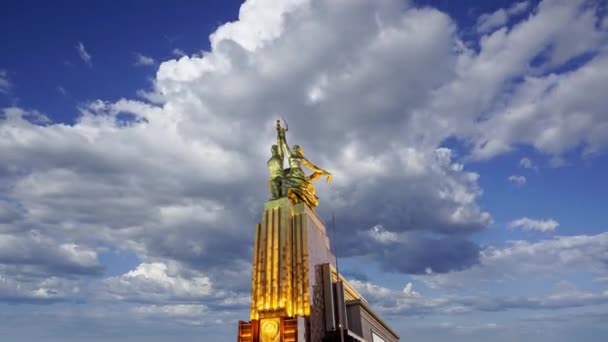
pixel 289 242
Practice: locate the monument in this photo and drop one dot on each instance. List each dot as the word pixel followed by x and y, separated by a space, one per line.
pixel 297 295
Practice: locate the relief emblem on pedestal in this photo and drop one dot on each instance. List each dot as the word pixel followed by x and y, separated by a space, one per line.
pixel 269 330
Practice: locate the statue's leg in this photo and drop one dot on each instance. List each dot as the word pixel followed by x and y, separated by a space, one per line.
pixel 278 187
pixel 271 188
pixel 274 189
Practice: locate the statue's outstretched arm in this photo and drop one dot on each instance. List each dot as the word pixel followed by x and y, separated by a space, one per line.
pixel 316 171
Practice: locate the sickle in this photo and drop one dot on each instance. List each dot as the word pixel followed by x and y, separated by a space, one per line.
pixel 285 123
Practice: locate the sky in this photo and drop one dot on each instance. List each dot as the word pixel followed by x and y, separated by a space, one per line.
pixel 468 143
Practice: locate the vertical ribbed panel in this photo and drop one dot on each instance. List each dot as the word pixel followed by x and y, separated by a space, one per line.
pixel 255 273
pixel 305 275
pixel 275 259
pixel 281 281
pixel 289 262
pixel 268 261
pixel 297 266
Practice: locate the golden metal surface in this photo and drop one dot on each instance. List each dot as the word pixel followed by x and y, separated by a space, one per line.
pixel 275 258
pixel 280 284
pixel 275 166
pixel 305 274
pixel 292 182
pixel 255 269
pixel 270 329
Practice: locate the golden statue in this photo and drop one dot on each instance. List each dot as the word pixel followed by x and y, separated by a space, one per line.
pixel 275 165
pixel 294 183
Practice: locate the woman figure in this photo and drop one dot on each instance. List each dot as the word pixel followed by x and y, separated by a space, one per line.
pixel 298 185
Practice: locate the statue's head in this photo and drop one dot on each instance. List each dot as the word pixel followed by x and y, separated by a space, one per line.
pixel 274 150
pixel 298 151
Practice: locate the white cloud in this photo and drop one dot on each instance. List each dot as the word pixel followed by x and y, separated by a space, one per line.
pixel 488 22
pixel 184 167
pixel 394 303
pixel 558 256
pixel 381 235
pixel 58 258
pixel 524 223
pixel 533 111
pixel 16 288
pixel 178 52
pixel 259 22
pixel 370 97
pixel 83 54
pixel 408 290
pixel 527 163
pixel 158 282
pixel 62 90
pixel 5 84
pixel 143 60
pixel 517 180
pixel 518 8
pixel 550 112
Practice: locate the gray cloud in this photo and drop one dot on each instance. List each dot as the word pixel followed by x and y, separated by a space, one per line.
pixel 409 303
pixel 186 180
pixel 412 252
pixel 57 258
pixel 551 257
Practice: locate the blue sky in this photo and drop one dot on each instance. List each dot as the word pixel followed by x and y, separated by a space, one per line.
pixel 467 139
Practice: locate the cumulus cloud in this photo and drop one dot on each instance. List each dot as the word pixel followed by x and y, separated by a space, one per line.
pixel 408 290
pixel 527 163
pixel 156 281
pixel 180 182
pixel 178 52
pixel 522 97
pixel 519 259
pixel 16 286
pixel 57 258
pixel 524 223
pixel 547 111
pixel 83 54
pixel 517 180
pixel 190 181
pixel 488 22
pixel 394 303
pixel 143 60
pixel 169 289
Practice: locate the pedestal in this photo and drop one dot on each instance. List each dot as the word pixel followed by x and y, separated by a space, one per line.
pixel 288 243
pixel 297 294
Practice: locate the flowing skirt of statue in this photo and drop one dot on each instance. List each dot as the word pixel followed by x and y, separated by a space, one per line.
pixel 299 187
